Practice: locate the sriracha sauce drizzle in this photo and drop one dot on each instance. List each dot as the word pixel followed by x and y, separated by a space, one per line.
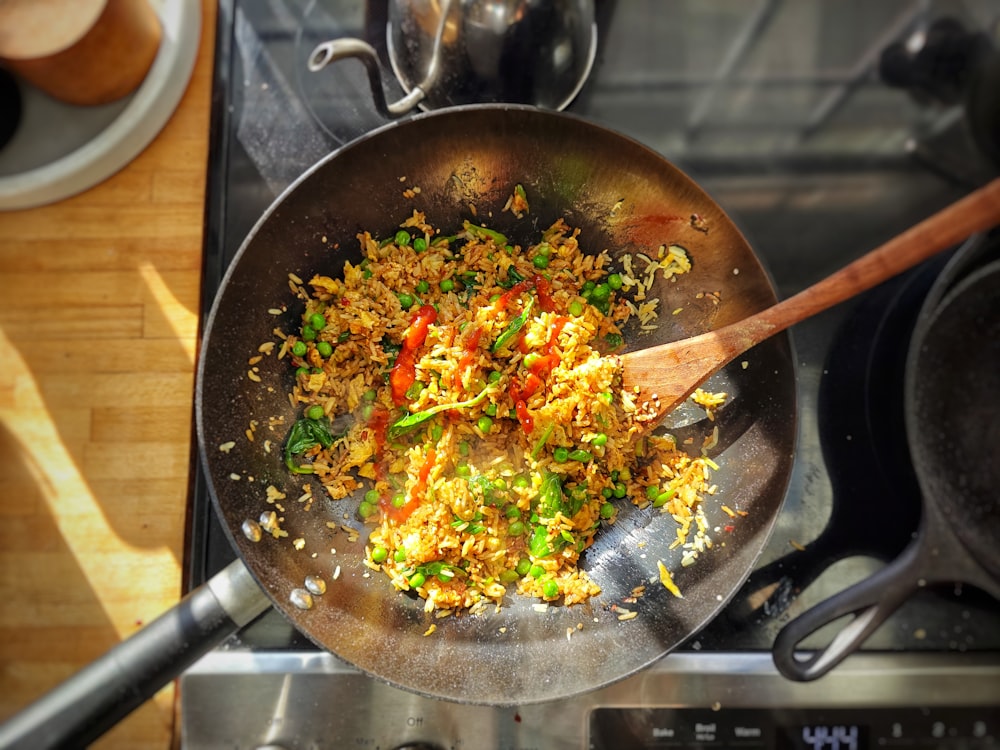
pixel 404 371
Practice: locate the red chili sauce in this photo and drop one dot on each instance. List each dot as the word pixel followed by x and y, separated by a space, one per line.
pixel 399 515
pixel 404 371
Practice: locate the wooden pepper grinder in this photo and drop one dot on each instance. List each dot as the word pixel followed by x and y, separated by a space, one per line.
pixel 80 51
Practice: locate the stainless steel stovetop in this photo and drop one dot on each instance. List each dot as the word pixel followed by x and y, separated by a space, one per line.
pixel 778 110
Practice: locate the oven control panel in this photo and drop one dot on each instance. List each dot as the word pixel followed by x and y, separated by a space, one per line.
pixel 635 728
pixel 312 701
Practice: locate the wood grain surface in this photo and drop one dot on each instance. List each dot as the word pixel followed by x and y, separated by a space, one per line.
pixel 99 298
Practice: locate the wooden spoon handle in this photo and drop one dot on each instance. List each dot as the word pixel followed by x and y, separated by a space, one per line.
pixel 976 212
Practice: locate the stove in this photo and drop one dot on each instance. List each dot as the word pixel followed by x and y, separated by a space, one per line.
pixel 791 116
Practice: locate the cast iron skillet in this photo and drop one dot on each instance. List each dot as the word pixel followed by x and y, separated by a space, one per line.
pixel 466 161
pixel 952 425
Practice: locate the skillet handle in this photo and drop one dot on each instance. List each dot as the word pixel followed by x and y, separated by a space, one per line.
pixel 89 703
pixel 871 601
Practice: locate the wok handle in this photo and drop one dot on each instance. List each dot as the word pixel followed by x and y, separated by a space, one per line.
pixel 871 601
pixel 81 709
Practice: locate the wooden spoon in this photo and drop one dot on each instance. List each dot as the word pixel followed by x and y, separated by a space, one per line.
pixel 663 376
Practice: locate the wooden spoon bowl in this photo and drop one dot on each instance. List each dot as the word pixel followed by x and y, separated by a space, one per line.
pixel 661 377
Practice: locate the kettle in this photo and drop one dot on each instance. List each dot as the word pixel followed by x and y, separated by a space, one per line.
pixel 451 52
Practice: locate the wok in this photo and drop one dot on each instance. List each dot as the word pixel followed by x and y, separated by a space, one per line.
pixel 466 161
pixel 951 412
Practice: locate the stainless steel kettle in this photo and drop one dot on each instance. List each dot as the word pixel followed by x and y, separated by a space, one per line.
pixel 451 52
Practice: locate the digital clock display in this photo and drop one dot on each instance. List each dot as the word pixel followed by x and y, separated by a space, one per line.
pixel 824 737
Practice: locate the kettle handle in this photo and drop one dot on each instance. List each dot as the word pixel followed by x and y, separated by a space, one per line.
pixel 340 49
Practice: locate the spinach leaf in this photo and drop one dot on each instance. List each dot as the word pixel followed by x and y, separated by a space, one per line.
pixel 304 435
pixel 410 421
pixel 514 327
pixel 550 497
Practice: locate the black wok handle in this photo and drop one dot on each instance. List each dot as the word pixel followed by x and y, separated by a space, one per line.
pixel 872 601
pixel 89 703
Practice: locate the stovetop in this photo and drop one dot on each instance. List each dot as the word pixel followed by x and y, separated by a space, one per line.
pixel 777 110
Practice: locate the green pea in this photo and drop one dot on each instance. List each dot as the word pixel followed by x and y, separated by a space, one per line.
pixel 490 410
pixel 607 397
pixel 500 484
pixel 380 555
pixel 484 423
pixel 536 571
pixel 402 238
pixel 601 292
pixel 308 333
pixel 370 394
pixel 463 470
pixel 417 580
pixel 607 510
pixel 652 491
pixel 405 300
pixel 367 410
pixel 315 412
pixel 317 321
pixel 446 285
pixel 300 371
pixel 325 348
pixel 580 455
pixel 521 481
pixel 560 455
pixel 531 359
pixel 512 512
pixel 615 281
pixel 540 262
pixel 494 376
pixel 576 308
pixel 299 349
pixel 523 567
pixel 399 555
pixel 463 448
pixel 371 496
pixel 550 589
pixel 587 288
pixel 419 244
pixel 423 287
pixel 607 493
pixel 620 489
pixel 398 500
pixel 516 528
pixel 436 432
pixel 365 509
pixel 600 440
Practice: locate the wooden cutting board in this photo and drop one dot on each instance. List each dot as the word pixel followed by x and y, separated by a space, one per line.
pixel 99 298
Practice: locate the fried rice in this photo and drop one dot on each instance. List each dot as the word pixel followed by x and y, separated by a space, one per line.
pixel 486 427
